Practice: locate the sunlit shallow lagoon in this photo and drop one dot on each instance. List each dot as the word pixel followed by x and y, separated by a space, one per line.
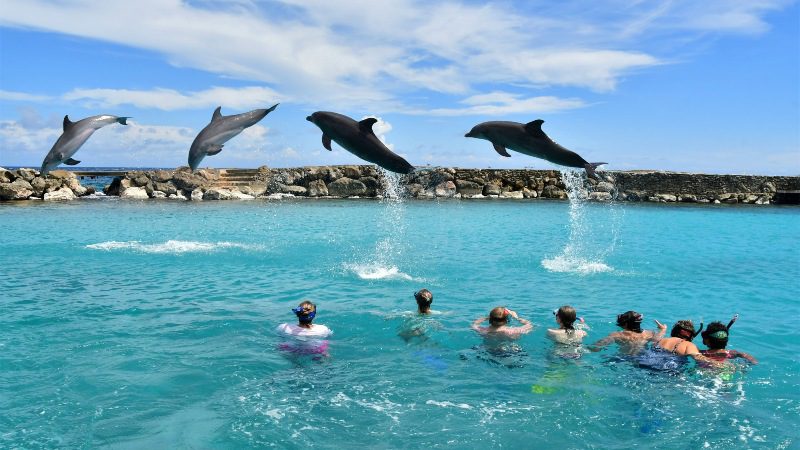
pixel 150 324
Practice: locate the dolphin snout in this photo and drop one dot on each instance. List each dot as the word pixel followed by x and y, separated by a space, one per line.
pixel 310 119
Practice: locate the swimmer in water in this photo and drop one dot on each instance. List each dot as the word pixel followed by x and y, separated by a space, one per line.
pixel 566 332
pixel 305 312
pixel 680 341
pixel 632 339
pixel 419 324
pixel 424 299
pixel 498 325
pixel 715 337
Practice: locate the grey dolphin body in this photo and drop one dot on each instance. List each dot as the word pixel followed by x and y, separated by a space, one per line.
pixel 74 136
pixel 359 139
pixel 529 139
pixel 210 140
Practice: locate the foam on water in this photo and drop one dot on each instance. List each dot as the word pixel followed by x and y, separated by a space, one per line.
pixel 377 272
pixel 171 246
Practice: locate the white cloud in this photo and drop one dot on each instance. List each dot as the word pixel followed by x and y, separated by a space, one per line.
pixel 22 96
pixel 505 103
pixel 381 128
pixel 169 99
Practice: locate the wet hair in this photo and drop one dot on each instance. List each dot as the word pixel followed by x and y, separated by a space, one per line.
pixel 630 320
pixel 567 316
pixel 716 336
pixel 424 298
pixel 498 316
pixel 683 329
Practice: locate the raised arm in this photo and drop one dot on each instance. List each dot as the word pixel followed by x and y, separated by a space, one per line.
pixel 526 327
pixel 662 329
pixel 476 324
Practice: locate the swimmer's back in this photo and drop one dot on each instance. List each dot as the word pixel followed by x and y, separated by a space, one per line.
pixel 316 331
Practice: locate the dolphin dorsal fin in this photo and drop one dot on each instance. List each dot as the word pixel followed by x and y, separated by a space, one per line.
pixel 217 114
pixel 366 124
pixel 67 123
pixel 535 128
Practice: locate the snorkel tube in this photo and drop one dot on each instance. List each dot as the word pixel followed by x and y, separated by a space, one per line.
pixel 733 320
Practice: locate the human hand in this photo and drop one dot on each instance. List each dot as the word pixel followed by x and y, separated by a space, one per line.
pixel 660 325
pixel 511 313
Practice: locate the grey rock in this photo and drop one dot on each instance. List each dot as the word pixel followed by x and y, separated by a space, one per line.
pixel 11 191
pixel 512 194
pixel 26 174
pixel 600 196
pixel 63 194
pixel 351 172
pixel 134 193
pixel 159 194
pixel 187 181
pixel 346 187
pixel 552 191
pixel 294 190
pixel 768 187
pixel 468 187
pixel 196 195
pixel 165 187
pixel 217 194
pixel 413 189
pixel 371 184
pixel 6 176
pixel 161 176
pixel 21 183
pixel 317 188
pixel 39 185
pixel 445 189
pixel 141 180
pixel 492 189
pixel 604 186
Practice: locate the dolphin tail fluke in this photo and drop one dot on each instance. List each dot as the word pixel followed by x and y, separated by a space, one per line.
pixel 123 120
pixel 590 167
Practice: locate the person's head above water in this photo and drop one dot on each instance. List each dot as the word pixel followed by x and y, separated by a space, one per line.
pixel 684 329
pixel 631 321
pixel 424 299
pixel 716 334
pixel 566 316
pixel 498 316
pixel 305 311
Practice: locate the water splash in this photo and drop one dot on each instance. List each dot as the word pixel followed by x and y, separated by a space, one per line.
pixel 382 263
pixel 171 246
pixel 593 231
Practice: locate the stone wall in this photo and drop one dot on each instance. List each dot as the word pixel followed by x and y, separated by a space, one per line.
pixel 369 182
pixel 27 184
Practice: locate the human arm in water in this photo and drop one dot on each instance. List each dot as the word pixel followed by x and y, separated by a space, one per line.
pixel 746 356
pixel 606 341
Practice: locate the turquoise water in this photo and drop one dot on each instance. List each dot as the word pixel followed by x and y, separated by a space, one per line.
pixel 150 324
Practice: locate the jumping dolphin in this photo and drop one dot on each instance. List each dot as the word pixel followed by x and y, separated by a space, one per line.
pixel 74 136
pixel 359 139
pixel 221 129
pixel 529 139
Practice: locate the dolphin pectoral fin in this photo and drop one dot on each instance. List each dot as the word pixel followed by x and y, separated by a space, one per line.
pixel 326 142
pixel 217 114
pixel 67 123
pixel 366 124
pixel 71 162
pixel 214 149
pixel 535 128
pixel 501 150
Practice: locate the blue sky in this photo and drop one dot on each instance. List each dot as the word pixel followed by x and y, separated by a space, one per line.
pixel 711 86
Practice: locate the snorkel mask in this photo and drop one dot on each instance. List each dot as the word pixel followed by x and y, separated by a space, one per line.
pixel 686 333
pixel 720 335
pixel 630 320
pixel 304 315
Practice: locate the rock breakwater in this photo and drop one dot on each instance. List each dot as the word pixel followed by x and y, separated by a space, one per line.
pixel 28 184
pixel 366 181
pixel 432 183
